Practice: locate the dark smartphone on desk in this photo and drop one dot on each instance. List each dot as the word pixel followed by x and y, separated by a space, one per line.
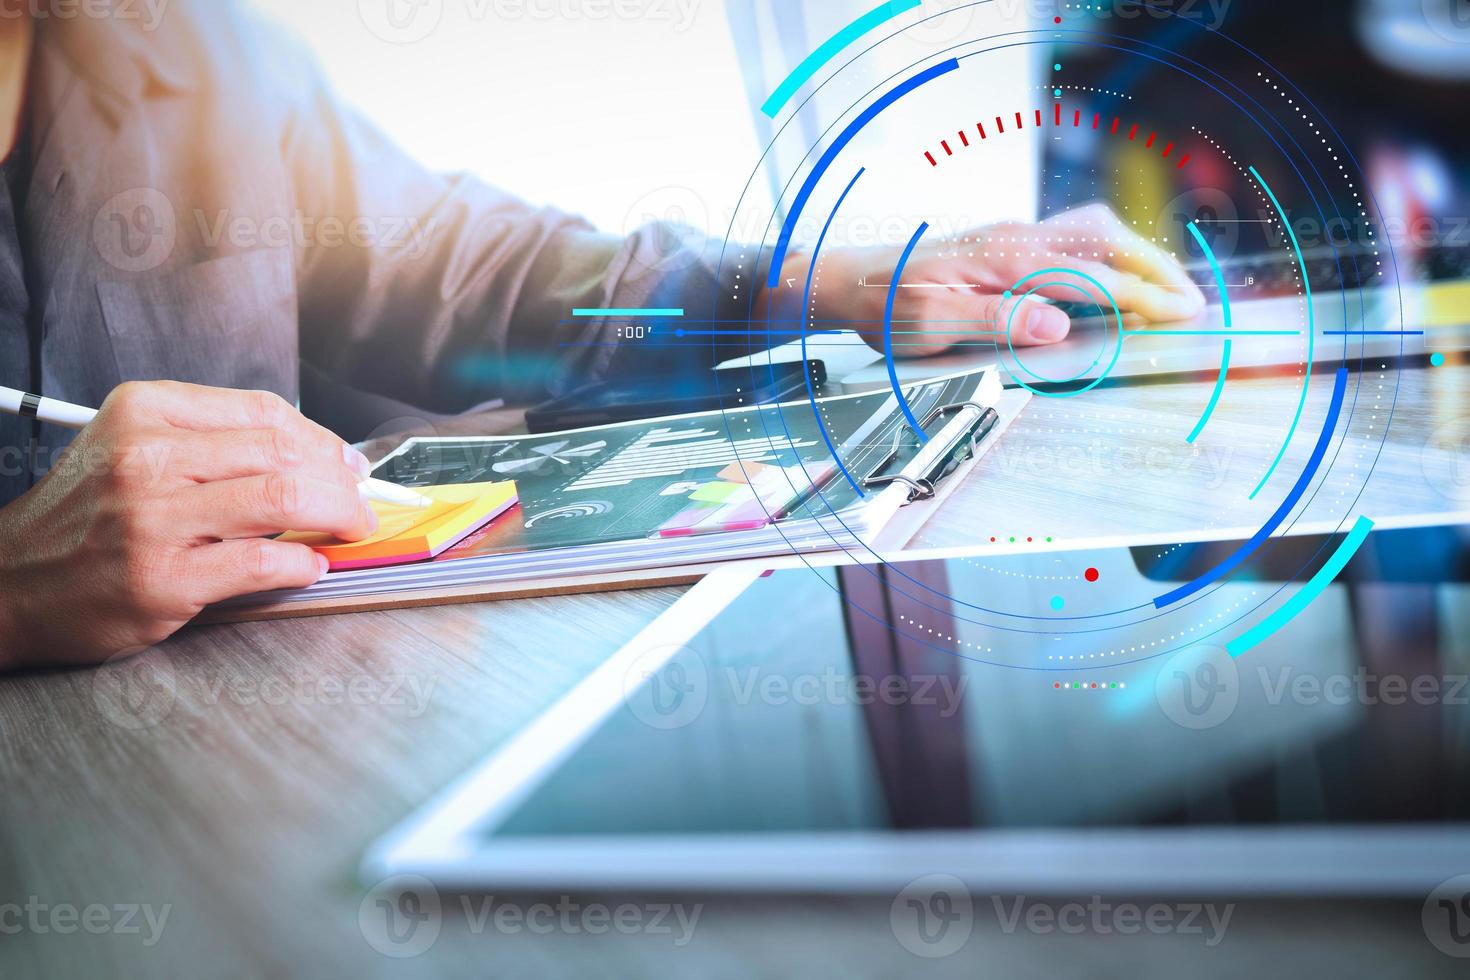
pixel 646 398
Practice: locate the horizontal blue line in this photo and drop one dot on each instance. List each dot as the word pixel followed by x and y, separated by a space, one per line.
pixel 620 311
pixel 1303 481
pixel 1212 333
pixel 1373 333
pixel 778 257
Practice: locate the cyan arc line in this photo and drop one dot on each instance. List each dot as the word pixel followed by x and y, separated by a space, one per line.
pixel 1269 135
pixel 1307 594
pixel 1011 347
pixel 1244 551
pixel 903 403
pixel 788 228
pixel 1224 357
pixel 1214 395
pixel 1311 329
pixel 811 393
pixel 829 49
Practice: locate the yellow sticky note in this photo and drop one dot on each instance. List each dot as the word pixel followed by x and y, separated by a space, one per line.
pixel 409 534
pixel 1446 304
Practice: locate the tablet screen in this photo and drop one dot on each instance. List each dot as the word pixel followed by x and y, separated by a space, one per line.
pixel 797 710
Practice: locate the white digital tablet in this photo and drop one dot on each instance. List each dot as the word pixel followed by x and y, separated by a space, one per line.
pixel 851 727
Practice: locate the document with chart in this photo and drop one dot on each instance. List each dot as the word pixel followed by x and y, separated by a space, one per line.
pixel 777 479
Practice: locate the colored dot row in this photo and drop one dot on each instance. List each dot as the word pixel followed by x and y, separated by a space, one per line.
pixel 1087 686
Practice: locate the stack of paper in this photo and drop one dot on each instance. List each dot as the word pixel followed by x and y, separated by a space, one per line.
pixel 684 490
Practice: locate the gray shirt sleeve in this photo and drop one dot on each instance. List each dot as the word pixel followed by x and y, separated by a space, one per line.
pixel 460 292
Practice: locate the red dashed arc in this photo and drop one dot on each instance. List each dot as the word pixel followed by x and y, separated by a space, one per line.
pixel 1057 113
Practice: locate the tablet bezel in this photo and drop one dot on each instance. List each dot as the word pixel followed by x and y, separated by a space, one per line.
pixel 450 839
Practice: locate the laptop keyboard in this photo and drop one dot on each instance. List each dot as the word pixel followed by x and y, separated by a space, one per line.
pixel 1265 276
pixel 1276 274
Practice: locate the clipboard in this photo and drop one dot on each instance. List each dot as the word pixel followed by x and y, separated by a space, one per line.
pixel 929 465
pixel 930 471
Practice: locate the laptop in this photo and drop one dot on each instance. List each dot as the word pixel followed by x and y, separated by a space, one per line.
pixel 1389 110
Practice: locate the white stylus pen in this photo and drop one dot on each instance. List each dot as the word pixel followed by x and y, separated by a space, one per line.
pixel 72 416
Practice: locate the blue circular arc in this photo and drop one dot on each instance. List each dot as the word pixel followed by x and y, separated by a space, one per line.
pixel 903 403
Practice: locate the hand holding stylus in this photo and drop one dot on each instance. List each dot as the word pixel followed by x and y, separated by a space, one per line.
pixel 161 507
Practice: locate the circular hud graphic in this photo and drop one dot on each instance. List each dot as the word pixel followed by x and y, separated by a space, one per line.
pixel 1213 157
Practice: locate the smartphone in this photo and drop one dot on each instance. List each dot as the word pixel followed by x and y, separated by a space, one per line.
pixel 645 398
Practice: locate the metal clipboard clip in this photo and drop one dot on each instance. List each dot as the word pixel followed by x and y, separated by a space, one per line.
pixel 933 465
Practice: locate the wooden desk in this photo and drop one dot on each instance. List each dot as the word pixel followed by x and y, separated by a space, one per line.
pixel 1116 461
pixel 244 791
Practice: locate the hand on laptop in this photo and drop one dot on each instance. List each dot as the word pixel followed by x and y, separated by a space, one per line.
pixel 158 509
pixel 961 283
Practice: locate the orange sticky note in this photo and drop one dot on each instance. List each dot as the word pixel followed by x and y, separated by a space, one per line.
pixel 409 534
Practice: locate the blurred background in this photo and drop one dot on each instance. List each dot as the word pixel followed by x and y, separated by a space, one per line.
pixel 626 112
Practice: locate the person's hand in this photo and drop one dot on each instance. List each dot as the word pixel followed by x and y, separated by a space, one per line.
pixel 158 509
pixel 955 290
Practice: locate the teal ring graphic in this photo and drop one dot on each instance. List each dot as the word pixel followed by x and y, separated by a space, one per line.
pixel 1117 317
pixel 1103 349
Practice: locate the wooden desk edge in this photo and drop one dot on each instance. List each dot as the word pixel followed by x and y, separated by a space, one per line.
pixel 482 592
